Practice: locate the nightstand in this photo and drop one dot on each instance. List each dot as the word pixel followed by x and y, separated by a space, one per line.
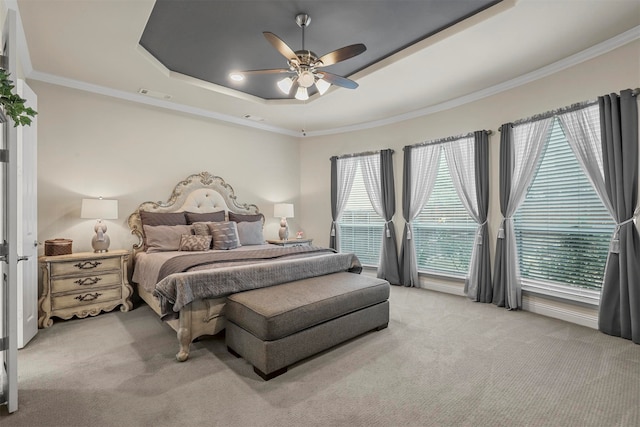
pixel 291 242
pixel 83 284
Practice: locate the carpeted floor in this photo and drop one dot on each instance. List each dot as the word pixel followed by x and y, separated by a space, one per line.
pixel 443 361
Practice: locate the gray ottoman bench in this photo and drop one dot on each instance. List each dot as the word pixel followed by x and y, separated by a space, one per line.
pixel 277 326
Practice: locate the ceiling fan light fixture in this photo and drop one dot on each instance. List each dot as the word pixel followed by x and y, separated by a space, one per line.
pixel 302 94
pixel 306 79
pixel 322 86
pixel 285 85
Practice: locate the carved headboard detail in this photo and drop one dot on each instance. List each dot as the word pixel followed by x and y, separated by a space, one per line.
pixel 202 192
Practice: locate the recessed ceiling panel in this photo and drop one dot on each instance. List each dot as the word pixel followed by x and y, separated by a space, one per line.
pixel 208 40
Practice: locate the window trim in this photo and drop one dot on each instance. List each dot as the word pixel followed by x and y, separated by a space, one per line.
pixel 586 296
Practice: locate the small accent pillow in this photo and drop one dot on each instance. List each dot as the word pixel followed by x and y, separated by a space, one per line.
pixel 190 242
pixel 250 233
pixel 225 235
pixel 245 217
pixel 201 229
pixel 193 217
pixel 162 218
pixel 164 237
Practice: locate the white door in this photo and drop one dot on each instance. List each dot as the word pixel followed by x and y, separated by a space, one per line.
pixel 27 222
pixel 9 238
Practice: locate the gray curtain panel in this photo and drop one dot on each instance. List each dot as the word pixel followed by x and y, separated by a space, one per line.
pixel 334 202
pixel 405 249
pixel 620 299
pixel 500 265
pixel 485 291
pixel 388 269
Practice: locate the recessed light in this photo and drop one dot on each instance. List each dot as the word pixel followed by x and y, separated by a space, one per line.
pixel 236 77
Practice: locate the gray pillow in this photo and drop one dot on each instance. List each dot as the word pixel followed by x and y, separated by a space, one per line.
pixel 245 217
pixel 162 218
pixel 193 217
pixel 162 238
pixel 250 233
pixel 225 235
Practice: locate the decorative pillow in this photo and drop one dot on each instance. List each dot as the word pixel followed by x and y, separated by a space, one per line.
pixel 204 217
pixel 162 218
pixel 245 217
pixel 225 235
pixel 161 238
pixel 201 229
pixel 250 233
pixel 190 242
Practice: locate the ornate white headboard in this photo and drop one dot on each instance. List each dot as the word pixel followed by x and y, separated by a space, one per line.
pixel 200 193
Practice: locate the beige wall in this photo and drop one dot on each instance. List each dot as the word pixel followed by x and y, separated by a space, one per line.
pixel 612 72
pixel 91 145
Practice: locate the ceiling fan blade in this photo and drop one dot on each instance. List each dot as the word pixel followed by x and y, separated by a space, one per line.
pixel 338 80
pixel 266 71
pixel 280 46
pixel 341 54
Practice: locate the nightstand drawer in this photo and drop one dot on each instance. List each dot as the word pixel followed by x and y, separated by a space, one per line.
pixel 89 266
pixel 59 302
pixel 85 283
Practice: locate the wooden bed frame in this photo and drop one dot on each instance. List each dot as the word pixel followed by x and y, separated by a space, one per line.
pixel 200 193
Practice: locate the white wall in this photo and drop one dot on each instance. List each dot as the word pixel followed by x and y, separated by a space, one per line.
pixel 611 72
pixel 91 145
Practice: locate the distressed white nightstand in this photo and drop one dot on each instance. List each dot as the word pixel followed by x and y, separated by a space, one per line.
pixel 83 284
pixel 291 242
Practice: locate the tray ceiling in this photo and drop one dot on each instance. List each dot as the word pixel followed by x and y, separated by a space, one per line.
pixel 208 40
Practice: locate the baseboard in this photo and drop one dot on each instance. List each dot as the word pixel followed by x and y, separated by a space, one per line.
pixel 581 315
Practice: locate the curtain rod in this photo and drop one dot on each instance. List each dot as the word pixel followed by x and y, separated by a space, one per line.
pixel 444 140
pixel 364 153
pixel 572 107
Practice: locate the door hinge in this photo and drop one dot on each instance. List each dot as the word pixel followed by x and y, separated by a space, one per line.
pixel 4 251
pixel 4 344
pixel 4 156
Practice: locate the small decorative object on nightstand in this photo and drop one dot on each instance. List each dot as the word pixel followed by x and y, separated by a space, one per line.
pixel 292 242
pixel 283 211
pixel 83 284
pixel 99 209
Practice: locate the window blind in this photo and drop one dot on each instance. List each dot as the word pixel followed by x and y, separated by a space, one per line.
pixel 444 232
pixel 562 228
pixel 360 226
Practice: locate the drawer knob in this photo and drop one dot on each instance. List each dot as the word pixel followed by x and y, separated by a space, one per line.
pixel 88 281
pixel 87 265
pixel 88 297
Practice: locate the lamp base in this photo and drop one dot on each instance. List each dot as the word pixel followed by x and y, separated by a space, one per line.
pixel 283 234
pixel 100 241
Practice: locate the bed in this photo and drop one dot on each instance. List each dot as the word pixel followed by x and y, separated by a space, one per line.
pixel 185 277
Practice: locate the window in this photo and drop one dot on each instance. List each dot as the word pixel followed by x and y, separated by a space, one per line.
pixel 360 226
pixel 562 228
pixel 444 232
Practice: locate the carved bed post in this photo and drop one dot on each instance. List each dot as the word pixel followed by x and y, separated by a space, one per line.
pixel 184 333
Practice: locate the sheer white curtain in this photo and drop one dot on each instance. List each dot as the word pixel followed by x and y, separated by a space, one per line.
pixel 582 129
pixel 424 171
pixel 527 143
pixel 460 156
pixel 346 170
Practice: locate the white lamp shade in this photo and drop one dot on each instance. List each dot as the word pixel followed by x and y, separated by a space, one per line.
pixel 302 94
pixel 322 86
pixel 99 209
pixel 285 85
pixel 283 210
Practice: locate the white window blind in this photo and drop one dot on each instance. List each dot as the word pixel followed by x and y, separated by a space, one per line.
pixel 444 232
pixel 360 226
pixel 562 228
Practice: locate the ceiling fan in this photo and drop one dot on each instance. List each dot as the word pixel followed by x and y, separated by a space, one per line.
pixel 306 66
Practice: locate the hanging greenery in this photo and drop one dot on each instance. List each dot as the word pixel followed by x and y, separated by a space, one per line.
pixel 12 103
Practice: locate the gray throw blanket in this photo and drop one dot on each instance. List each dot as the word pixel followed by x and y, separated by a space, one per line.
pixel 179 289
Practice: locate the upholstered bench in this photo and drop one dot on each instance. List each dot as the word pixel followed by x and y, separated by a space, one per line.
pixel 277 326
